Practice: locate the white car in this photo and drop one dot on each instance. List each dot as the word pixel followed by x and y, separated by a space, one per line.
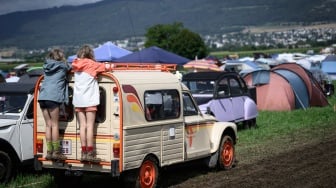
pixel 16 128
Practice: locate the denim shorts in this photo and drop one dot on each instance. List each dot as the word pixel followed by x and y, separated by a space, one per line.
pixel 49 104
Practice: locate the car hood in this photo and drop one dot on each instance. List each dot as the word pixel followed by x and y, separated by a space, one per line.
pixel 7 122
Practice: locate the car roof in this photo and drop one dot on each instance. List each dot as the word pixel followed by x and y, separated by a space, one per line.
pixel 206 75
pixel 15 88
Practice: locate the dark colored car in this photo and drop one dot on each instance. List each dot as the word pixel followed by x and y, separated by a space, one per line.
pixel 225 95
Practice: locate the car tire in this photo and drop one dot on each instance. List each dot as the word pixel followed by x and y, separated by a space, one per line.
pixel 6 170
pixel 226 157
pixel 148 175
pixel 249 124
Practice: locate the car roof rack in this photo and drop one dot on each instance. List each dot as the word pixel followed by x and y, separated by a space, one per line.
pixel 142 67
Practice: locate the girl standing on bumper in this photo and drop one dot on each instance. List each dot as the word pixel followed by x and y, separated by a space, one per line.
pixel 86 98
pixel 53 93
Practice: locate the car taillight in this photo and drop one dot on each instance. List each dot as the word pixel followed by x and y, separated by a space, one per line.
pixel 116 150
pixel 39 145
pixel 115 90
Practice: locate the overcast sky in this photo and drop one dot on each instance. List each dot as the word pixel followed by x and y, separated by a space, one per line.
pixel 8 6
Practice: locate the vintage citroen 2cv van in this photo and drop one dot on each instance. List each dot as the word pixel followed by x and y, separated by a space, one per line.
pixel 147 119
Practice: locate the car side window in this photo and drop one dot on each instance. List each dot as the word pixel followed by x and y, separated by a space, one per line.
pixel 235 87
pixel 163 104
pixel 30 111
pixel 223 89
pixel 67 110
pixel 16 103
pixel 189 108
pixel 201 87
pixel 66 113
pixel 101 108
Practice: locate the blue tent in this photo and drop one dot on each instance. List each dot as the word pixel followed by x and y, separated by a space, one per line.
pixel 260 77
pixel 299 87
pixel 153 55
pixel 106 52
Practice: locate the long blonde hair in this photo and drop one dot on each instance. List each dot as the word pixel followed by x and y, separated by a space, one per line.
pixel 85 52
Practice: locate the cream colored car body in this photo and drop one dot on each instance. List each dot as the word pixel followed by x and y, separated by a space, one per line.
pixel 125 137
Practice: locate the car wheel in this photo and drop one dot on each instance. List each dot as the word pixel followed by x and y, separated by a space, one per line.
pixel 226 156
pixel 248 124
pixel 5 167
pixel 253 123
pixel 148 173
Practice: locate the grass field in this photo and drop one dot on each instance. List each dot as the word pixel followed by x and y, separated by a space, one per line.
pixel 276 132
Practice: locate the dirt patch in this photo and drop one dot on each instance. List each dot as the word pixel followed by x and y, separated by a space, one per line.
pixel 313 165
pixel 301 164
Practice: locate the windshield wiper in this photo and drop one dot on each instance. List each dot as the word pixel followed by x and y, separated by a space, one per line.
pixel 17 109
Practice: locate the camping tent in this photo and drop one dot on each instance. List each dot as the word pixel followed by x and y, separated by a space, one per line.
pixel 153 55
pixel 298 86
pixel 315 91
pixel 286 87
pixel 274 93
pixel 106 52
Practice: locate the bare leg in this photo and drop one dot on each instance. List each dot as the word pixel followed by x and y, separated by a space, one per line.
pixel 82 125
pixel 54 115
pixel 48 123
pixel 90 120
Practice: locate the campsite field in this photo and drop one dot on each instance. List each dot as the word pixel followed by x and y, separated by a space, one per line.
pixel 287 149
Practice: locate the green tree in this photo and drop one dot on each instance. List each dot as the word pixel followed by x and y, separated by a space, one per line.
pixel 177 39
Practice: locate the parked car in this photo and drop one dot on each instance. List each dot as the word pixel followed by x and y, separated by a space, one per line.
pixel 324 80
pixel 147 120
pixel 16 128
pixel 224 95
pixel 3 76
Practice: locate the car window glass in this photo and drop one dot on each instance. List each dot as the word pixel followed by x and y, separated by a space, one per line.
pixel 163 104
pixel 67 110
pixel 243 85
pixel 201 87
pixel 223 91
pixel 189 107
pixel 101 108
pixel 235 88
pixel 12 103
pixel 223 88
pixel 30 111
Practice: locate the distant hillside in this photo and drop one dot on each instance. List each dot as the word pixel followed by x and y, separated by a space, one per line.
pixel 118 19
